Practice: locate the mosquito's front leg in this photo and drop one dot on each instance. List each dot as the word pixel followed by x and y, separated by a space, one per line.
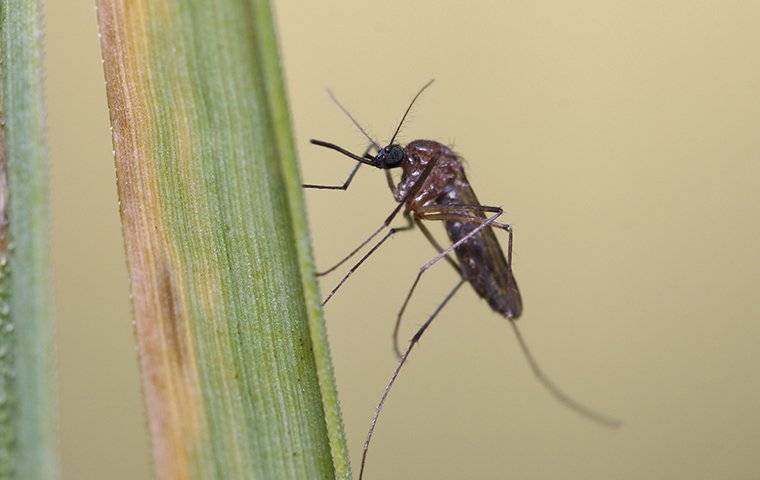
pixel 372 250
pixel 413 191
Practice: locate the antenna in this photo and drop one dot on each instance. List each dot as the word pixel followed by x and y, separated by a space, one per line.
pixel 409 108
pixel 353 120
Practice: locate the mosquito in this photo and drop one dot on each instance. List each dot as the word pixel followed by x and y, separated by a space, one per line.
pixel 434 187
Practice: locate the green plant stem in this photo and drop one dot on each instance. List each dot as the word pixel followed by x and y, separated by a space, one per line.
pixel 26 433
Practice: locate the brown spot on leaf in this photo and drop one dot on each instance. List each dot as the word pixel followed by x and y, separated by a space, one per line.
pixel 175 332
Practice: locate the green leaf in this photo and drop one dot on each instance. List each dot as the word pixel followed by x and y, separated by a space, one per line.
pixel 235 364
pixel 26 433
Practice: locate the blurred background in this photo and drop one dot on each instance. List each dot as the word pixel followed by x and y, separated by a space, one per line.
pixel 622 140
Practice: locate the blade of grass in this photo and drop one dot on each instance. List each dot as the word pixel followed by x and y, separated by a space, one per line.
pixel 236 369
pixel 26 433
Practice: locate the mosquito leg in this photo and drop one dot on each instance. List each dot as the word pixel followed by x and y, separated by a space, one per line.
pixel 356 250
pixel 345 184
pixel 389 180
pixel 450 261
pixel 366 241
pixel 402 361
pixel 435 243
pixel 454 212
pixel 545 381
pixel 486 223
pixel 372 250
pixel 561 396
pixel 412 191
pixel 353 252
pixel 475 219
pixel 466 213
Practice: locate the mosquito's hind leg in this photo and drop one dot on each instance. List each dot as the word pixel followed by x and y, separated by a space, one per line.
pixel 439 213
pixel 423 214
pixel 348 181
pixel 455 213
pixel 430 238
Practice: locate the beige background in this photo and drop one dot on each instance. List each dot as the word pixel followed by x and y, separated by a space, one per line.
pixel 621 138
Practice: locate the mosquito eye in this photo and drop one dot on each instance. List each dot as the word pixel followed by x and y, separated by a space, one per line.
pixel 396 155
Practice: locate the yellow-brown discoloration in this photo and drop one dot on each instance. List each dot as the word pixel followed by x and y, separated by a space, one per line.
pixel 165 347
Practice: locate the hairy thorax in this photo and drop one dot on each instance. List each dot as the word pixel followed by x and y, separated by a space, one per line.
pixel 445 173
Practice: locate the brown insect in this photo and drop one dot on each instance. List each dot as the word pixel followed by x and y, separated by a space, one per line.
pixel 434 187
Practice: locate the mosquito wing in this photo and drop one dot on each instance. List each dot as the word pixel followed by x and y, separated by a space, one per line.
pixel 481 258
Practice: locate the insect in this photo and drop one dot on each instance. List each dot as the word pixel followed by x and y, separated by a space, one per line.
pixel 434 187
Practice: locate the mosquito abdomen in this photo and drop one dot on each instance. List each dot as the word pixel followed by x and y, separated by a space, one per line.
pixel 481 258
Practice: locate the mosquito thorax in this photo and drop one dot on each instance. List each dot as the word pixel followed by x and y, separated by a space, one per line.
pixel 390 156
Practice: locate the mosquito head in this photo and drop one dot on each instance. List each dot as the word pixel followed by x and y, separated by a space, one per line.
pixel 390 157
